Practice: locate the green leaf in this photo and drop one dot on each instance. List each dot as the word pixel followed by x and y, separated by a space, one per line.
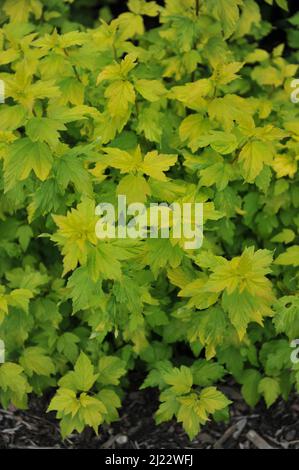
pixel 195 409
pixel 250 387
pixel 189 418
pixel 206 373
pixel 111 369
pixel 181 380
pixel 34 360
pixel 270 389
pixel 12 117
pixel 66 401
pixel 167 409
pixel 275 356
pixel 192 129
pixel 67 345
pixel 149 123
pixel 286 319
pixel 286 236
pixel 25 156
pixel 111 402
pixel 20 298
pixel 231 109
pixel 135 188
pixel 289 258
pixel 44 130
pixel 219 174
pixel 227 12
pixel 253 157
pixel 192 94
pixel 82 378
pixel 120 95
pixel 91 411
pixel 151 90
pixel 283 4
pixel 212 400
pixel 155 165
pixel 223 142
pixel 211 329
pixel 84 292
pixel 70 169
pixel 12 379
pixel 242 278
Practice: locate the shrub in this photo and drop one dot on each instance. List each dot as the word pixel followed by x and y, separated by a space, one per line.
pixel 189 109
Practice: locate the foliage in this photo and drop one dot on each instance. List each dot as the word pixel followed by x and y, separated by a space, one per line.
pixel 192 109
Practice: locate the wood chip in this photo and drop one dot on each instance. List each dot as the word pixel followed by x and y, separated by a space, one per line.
pixel 228 433
pixel 241 424
pixel 258 441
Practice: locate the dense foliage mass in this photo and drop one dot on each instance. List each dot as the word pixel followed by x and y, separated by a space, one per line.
pixel 177 102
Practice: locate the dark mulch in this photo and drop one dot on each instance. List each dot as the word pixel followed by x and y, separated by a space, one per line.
pixel 277 427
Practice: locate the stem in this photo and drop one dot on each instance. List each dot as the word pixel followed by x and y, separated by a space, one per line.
pixel 73 67
pixel 76 73
pixel 114 52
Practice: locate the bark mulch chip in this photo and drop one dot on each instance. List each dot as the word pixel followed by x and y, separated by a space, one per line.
pixel 248 429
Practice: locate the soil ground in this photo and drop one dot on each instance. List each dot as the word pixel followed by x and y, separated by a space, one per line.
pixel 248 429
